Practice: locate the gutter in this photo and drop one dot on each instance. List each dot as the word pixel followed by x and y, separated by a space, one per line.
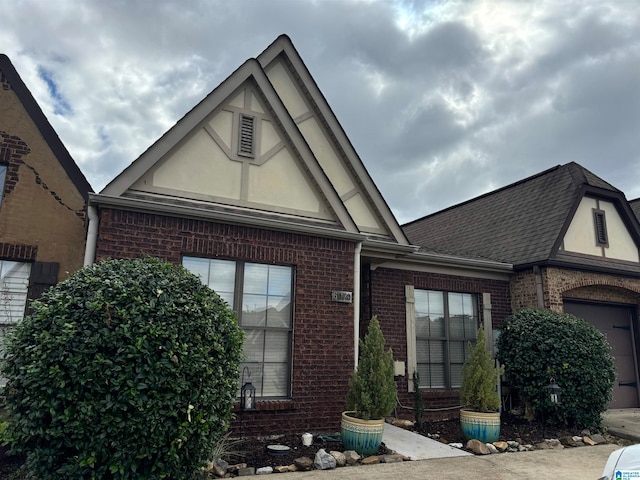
pixel 356 303
pixel 92 236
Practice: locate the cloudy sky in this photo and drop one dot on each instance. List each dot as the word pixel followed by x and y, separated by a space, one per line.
pixel 443 100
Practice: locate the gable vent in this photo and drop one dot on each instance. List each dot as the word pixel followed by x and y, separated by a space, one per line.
pixel 247 135
pixel 600 223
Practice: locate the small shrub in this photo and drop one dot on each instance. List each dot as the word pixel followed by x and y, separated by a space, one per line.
pixel 128 369
pixel 418 402
pixel 479 383
pixel 537 345
pixel 372 389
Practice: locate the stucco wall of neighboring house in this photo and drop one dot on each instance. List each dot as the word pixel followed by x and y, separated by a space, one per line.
pixel 323 330
pixel 388 302
pixel 41 208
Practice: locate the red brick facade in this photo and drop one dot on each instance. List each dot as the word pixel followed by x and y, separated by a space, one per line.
pixel 323 330
pixel 387 300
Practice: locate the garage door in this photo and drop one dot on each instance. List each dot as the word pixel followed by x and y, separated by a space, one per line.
pixel 615 323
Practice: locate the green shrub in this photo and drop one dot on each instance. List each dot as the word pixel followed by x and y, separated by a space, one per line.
pixel 479 382
pixel 372 389
pixel 128 369
pixel 538 345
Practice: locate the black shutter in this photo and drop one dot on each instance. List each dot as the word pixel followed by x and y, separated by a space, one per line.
pixel 43 275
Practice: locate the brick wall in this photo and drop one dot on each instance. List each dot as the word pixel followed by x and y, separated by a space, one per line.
pixel 323 332
pixel 388 303
pixel 559 283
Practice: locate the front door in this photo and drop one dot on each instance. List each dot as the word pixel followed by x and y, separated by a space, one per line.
pixel 617 325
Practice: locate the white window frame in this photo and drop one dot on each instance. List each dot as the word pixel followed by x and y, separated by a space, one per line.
pixel 254 330
pixel 412 364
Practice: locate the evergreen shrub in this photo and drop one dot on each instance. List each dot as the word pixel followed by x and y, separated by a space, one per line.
pixel 537 345
pixel 479 383
pixel 126 370
pixel 372 389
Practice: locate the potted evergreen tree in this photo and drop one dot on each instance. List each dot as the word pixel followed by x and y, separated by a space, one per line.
pixel 372 394
pixel 480 413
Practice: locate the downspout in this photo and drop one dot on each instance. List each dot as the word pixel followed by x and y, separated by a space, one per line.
pixel 356 302
pixel 539 289
pixel 92 236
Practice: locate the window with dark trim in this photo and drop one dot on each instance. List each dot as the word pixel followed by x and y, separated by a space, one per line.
pixel 260 294
pixel 246 137
pixel 3 176
pixel 445 323
pixel 600 224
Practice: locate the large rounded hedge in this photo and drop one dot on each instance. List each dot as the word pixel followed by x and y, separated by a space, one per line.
pixel 537 345
pixel 128 369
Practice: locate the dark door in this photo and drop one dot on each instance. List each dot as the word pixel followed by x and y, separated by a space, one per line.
pixel 616 324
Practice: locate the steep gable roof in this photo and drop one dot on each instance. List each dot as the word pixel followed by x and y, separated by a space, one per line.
pixel 282 86
pixel 635 206
pixel 523 223
pixel 8 74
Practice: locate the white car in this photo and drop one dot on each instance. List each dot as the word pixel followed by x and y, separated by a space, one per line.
pixel 623 464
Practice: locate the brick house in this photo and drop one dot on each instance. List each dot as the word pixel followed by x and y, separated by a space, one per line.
pixel 572 239
pixel 43 197
pixel 258 190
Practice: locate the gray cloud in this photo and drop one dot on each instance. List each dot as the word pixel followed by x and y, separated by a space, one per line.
pixel 443 100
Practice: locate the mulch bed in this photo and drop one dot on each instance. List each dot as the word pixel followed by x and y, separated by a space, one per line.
pixel 253 451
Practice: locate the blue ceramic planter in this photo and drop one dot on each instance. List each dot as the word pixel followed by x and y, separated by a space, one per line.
pixel 363 436
pixel 481 426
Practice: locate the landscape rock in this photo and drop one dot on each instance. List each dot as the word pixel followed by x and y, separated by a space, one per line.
pixel 492 448
pixel 324 461
pixel 370 460
pixel 599 439
pixel 341 461
pixel 352 457
pixel 477 447
pixel 588 441
pixel 393 458
pixel 246 472
pixel 501 446
pixel 567 441
pixel 264 471
pixel 285 468
pixel 455 445
pixel 303 463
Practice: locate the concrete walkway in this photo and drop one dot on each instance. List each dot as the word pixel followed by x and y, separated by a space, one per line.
pixel 416 446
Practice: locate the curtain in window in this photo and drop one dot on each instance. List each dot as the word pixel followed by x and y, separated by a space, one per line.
pixel 14 283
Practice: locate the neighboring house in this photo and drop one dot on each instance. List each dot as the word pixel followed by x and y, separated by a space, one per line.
pixel 258 190
pixel 573 240
pixel 43 198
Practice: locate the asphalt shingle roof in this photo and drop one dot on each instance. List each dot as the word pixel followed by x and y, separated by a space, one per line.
pixel 517 224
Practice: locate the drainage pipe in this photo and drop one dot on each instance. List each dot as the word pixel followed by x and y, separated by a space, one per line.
pixel 92 236
pixel 356 302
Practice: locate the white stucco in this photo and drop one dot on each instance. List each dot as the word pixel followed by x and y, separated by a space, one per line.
pixel 361 214
pixel 200 166
pixel 222 124
pixel 280 183
pixel 287 91
pixel 270 137
pixel 330 163
pixel 581 236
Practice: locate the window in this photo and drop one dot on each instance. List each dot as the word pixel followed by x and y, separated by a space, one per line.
pixel 600 224
pixel 260 295
pixel 246 136
pixel 14 283
pixel 444 323
pixel 3 176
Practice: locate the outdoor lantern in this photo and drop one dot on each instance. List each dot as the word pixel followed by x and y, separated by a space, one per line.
pixel 554 392
pixel 247 393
